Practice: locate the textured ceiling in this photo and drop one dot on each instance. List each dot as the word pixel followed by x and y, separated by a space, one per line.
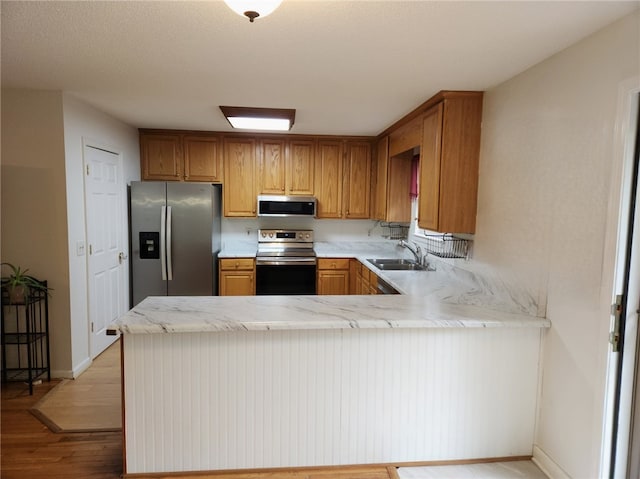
pixel 348 67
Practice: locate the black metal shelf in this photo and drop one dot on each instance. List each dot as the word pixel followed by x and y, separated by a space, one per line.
pixel 24 335
pixel 22 338
pixel 22 375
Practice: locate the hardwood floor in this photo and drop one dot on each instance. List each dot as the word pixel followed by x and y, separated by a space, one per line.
pixel 31 450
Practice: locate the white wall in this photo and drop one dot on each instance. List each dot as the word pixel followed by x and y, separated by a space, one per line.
pixel 545 181
pixel 34 209
pixel 84 124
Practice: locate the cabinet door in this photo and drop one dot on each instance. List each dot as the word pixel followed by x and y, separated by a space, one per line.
pixel 202 158
pixel 237 283
pixel 354 280
pixel 373 283
pixel 461 124
pixel 161 157
pixel 399 188
pixel 328 179
pixel 300 166
pixel 358 180
pixel 239 177
pixel 379 200
pixel 364 275
pixel 449 164
pixel 333 282
pixel 430 155
pixel 271 169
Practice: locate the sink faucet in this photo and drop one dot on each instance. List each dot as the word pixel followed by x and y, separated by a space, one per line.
pixel 421 258
pixel 416 251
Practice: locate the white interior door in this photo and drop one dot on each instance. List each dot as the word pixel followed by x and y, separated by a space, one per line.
pixel 105 204
pixel 625 359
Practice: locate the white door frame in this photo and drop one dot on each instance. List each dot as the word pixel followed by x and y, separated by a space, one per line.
pixel 616 250
pixel 88 143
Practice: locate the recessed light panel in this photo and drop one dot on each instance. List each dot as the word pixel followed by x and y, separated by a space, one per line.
pixel 250 118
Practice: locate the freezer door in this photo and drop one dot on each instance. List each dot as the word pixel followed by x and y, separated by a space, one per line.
pixel 147 202
pixel 189 239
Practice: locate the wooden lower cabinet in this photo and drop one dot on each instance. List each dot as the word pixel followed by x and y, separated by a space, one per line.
pixel 366 280
pixel 237 277
pixel 373 283
pixel 333 276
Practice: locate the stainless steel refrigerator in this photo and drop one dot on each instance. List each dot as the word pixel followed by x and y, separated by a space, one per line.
pixel 175 239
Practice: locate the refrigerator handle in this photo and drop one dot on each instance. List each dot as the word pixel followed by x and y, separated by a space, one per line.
pixel 163 242
pixel 169 260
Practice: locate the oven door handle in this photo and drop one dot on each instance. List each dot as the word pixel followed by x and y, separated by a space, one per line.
pixel 285 262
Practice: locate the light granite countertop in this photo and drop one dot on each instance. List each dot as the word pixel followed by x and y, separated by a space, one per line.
pixel 448 284
pixel 175 314
pixel 450 297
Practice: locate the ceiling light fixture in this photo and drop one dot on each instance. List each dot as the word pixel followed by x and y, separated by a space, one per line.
pixel 253 9
pixel 249 118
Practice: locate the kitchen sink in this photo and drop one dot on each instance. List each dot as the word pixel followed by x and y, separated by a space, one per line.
pixel 395 264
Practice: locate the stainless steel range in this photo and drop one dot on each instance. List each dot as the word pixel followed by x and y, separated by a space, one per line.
pixel 285 262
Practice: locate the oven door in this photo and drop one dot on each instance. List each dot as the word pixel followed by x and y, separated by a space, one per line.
pixel 283 276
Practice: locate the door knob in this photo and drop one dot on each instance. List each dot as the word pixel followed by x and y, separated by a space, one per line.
pixel 121 257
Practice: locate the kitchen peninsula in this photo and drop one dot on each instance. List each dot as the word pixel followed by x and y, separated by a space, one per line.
pixel 213 383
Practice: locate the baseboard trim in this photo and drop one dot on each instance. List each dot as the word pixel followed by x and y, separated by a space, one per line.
pixel 548 465
pixel 391 469
pixel 82 367
pixel 61 374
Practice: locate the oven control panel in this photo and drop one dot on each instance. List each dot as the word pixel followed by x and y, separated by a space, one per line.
pixel 285 236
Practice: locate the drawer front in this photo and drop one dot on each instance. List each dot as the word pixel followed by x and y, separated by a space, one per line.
pixel 333 263
pixel 227 264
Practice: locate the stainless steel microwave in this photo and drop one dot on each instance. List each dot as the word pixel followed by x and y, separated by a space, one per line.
pixel 273 205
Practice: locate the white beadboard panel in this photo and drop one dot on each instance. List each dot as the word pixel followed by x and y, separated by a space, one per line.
pixel 259 399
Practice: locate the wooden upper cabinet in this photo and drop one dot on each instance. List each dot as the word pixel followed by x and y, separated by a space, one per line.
pixel 300 167
pixel 202 158
pixel 177 157
pixel 399 188
pixel 357 186
pixel 328 179
pixel 286 168
pixel 449 159
pixel 161 157
pixel 239 177
pixel 379 200
pixel 392 194
pixel 429 197
pixel 271 167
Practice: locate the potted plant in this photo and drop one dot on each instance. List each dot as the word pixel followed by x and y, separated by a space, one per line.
pixel 19 284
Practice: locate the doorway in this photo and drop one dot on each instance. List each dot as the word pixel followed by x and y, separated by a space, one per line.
pixel 625 355
pixel 105 204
